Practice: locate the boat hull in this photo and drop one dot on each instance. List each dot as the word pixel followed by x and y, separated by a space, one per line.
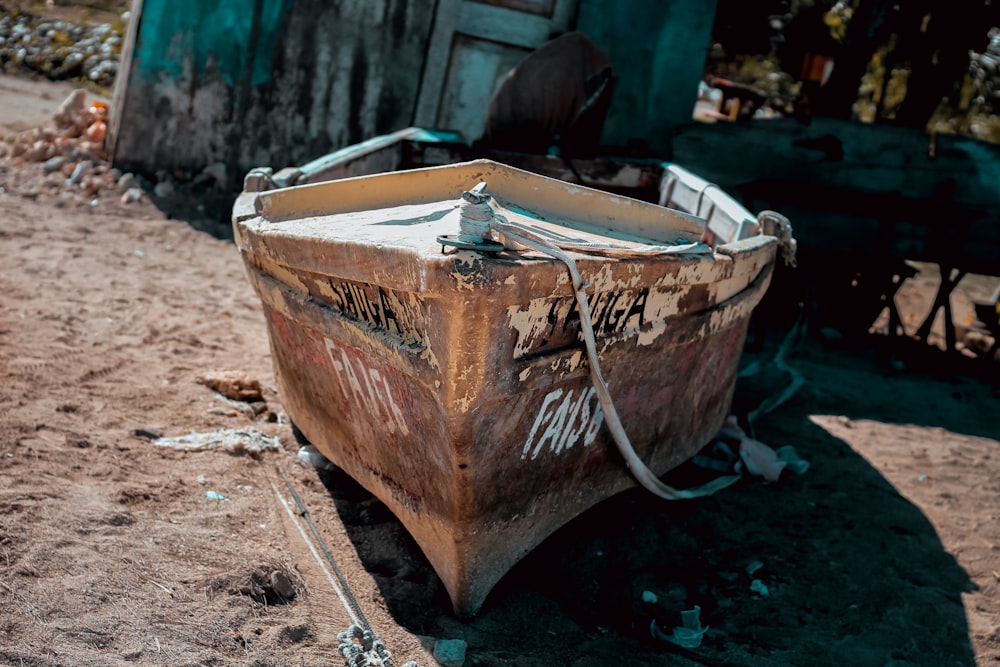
pixel 455 386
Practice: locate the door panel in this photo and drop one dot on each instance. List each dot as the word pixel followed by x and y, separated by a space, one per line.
pixel 474 70
pixel 474 44
pixel 540 7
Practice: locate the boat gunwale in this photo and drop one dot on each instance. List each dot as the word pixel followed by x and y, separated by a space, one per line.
pixel 438 183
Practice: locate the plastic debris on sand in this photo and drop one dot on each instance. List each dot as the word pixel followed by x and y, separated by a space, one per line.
pixel 234 441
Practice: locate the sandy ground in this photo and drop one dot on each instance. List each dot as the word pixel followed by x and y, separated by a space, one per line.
pixel 117 551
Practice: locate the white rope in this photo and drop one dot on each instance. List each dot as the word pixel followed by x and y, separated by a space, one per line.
pixel 476 218
pixel 474 215
pixel 478 222
pixel 639 470
pixel 333 582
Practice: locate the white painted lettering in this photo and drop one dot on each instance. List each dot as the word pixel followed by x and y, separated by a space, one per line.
pixel 572 434
pixel 539 419
pixel 556 426
pixel 375 394
pixel 563 427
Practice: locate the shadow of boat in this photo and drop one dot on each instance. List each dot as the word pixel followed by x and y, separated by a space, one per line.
pixel 849 570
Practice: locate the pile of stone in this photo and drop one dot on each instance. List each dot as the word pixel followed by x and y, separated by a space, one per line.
pixel 61 50
pixel 72 151
pixel 72 154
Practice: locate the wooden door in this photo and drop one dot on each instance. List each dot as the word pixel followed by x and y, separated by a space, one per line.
pixel 473 45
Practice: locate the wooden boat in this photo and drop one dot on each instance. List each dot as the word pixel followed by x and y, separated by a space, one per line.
pixel 445 372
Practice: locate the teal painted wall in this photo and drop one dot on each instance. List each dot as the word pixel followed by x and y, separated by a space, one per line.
pixel 175 39
pixel 658 50
pixel 250 83
pixel 280 82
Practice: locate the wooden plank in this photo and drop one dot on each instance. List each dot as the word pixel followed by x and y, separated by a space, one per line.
pixel 525 30
pixel 472 47
pixel 435 66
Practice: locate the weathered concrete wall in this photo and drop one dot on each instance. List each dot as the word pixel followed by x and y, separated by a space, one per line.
pixel 268 82
pixel 658 50
pixel 280 82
